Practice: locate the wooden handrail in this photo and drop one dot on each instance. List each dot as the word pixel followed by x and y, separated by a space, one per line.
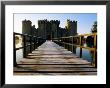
pixel 91 34
pixel 68 41
pixel 33 42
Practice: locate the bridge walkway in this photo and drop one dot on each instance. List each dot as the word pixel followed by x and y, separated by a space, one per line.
pixel 52 59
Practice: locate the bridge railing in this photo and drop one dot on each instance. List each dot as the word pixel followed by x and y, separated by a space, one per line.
pixel 28 44
pixel 72 42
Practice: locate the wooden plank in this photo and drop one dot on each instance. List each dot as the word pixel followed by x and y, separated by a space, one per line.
pixel 50 58
pixel 54 69
pixel 75 73
pixel 48 71
pixel 57 65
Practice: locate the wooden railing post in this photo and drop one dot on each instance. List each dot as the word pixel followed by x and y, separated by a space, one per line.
pixel 14 51
pixel 68 44
pixel 77 41
pixel 64 43
pixel 34 42
pixel 30 43
pixel 58 42
pixel 80 39
pixel 72 44
pixel 95 41
pixel 94 62
pixel 24 45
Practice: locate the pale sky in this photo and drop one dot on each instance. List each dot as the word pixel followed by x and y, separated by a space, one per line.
pixel 84 20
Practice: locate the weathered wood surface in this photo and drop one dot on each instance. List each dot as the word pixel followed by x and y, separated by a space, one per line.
pixel 52 59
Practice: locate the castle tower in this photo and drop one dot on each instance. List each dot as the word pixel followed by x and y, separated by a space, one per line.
pixel 42 25
pixel 71 27
pixel 48 29
pixel 26 27
pixel 55 28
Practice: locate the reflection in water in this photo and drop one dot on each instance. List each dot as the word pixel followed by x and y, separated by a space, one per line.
pixel 86 54
pixel 88 45
pixel 18 41
pixel 19 53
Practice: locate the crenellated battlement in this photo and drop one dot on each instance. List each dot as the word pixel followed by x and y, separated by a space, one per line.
pixel 69 21
pixel 42 21
pixel 46 21
pixel 27 21
pixel 55 22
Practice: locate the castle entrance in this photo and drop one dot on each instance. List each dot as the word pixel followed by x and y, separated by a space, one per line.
pixel 48 37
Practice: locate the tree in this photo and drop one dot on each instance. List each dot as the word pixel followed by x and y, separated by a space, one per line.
pixel 94 27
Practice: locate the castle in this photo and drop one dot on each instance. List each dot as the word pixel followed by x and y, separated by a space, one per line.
pixel 49 29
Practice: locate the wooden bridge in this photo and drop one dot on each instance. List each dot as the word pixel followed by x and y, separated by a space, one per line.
pixel 51 58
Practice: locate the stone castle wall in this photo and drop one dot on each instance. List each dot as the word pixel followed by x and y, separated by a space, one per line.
pixel 49 28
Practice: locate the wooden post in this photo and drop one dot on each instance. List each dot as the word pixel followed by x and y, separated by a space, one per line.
pixel 64 43
pixel 30 43
pixel 68 46
pixel 68 39
pixel 61 41
pixel 14 51
pixel 58 42
pixel 72 44
pixel 80 39
pixel 34 42
pixel 24 45
pixel 95 41
pixel 80 52
pixel 94 61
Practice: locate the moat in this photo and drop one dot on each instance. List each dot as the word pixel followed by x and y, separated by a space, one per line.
pixel 87 55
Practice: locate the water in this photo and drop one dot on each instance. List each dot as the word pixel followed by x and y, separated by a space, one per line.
pixel 19 54
pixel 86 54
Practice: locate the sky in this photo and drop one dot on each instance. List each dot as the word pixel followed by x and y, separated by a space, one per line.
pixel 84 20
